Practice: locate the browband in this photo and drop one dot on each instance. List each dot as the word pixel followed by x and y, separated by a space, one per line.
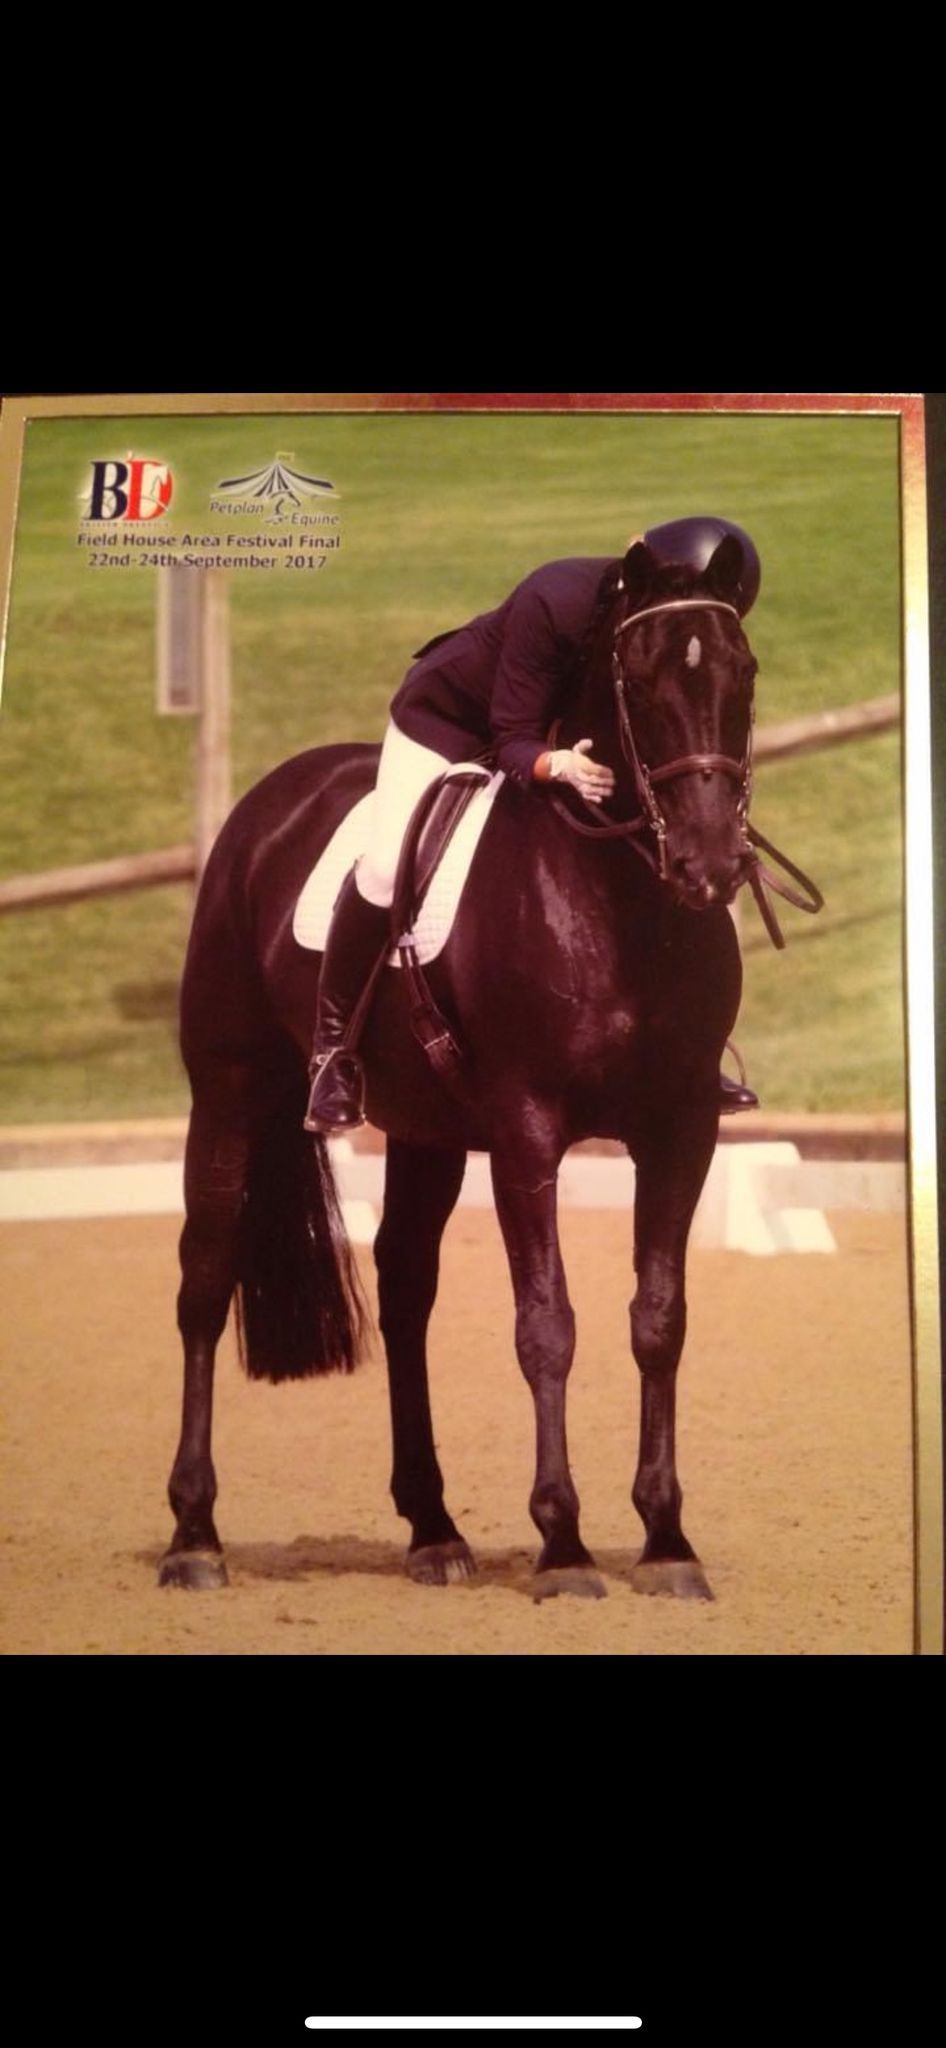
pixel 678 604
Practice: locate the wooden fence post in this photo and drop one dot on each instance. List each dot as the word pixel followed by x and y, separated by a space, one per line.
pixel 213 736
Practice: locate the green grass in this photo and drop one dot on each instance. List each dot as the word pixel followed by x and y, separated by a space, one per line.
pixel 440 517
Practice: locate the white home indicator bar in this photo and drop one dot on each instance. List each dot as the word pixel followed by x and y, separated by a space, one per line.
pixel 575 2024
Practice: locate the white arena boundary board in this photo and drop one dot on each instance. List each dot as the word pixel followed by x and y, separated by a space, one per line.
pixel 759 1198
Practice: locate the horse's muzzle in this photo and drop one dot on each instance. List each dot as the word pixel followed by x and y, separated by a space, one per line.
pixel 700 881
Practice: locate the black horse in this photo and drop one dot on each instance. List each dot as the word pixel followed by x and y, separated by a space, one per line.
pixel 594 977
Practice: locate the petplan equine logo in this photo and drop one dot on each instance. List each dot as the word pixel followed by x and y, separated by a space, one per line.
pixel 134 489
pixel 278 490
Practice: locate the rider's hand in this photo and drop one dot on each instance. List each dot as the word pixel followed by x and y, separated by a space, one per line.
pixel 592 779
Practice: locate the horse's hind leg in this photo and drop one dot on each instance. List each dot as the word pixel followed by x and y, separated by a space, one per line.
pixel 545 1346
pixel 215 1171
pixel 421 1187
pixel 670 1176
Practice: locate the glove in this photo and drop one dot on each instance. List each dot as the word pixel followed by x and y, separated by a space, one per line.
pixel 592 779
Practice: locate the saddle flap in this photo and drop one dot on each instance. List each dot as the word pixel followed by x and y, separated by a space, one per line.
pixel 440 886
pixel 428 836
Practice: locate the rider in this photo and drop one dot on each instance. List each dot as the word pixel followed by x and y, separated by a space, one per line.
pixel 500 679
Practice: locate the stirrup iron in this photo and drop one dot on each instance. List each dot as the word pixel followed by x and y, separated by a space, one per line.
pixel 347 1111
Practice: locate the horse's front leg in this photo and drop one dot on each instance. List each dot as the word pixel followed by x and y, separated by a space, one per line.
pixel 545 1346
pixel 671 1170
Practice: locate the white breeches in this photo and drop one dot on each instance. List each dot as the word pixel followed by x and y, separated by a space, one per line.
pixel 406 770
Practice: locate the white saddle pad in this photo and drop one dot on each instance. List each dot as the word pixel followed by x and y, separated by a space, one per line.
pixel 317 901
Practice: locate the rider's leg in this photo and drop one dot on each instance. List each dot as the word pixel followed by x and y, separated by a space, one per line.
pixel 359 930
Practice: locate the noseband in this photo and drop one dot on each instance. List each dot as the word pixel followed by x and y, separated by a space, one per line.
pixel 686 764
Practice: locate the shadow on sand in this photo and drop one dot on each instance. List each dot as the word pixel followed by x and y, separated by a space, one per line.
pixel 509 1571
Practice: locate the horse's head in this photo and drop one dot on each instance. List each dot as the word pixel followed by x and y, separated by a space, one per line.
pixel 683 674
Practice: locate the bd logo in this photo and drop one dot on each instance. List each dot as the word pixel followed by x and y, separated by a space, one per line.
pixel 136 489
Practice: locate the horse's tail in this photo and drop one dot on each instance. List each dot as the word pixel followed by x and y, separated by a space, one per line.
pixel 300 1308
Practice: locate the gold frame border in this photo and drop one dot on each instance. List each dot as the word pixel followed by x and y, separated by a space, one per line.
pixel 918 912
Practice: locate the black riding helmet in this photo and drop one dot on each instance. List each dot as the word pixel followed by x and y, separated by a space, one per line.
pixel 692 542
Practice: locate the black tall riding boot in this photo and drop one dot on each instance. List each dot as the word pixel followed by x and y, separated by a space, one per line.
pixel 734 1096
pixel 355 944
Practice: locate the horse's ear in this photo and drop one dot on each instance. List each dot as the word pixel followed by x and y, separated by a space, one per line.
pixel 724 571
pixel 638 571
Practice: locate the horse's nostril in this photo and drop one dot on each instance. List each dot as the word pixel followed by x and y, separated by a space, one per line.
pixel 707 880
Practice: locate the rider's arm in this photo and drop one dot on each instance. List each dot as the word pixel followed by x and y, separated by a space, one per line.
pixel 526 685
pixel 526 694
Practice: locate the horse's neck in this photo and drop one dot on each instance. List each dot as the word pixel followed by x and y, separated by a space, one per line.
pixel 604 880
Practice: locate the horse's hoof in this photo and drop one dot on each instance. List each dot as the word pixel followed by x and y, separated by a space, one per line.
pixel 441 1564
pixel 581 1579
pixel 200 1571
pixel 682 1578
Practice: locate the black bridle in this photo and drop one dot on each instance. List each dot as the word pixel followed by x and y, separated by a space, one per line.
pixel 646 778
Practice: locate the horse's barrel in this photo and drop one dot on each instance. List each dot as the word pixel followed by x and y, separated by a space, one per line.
pixel 694 541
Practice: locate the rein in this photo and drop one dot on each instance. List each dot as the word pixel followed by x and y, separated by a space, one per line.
pixel 761 878
pixel 646 779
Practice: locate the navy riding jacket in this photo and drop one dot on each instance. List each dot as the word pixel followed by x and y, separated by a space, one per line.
pixel 504 677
